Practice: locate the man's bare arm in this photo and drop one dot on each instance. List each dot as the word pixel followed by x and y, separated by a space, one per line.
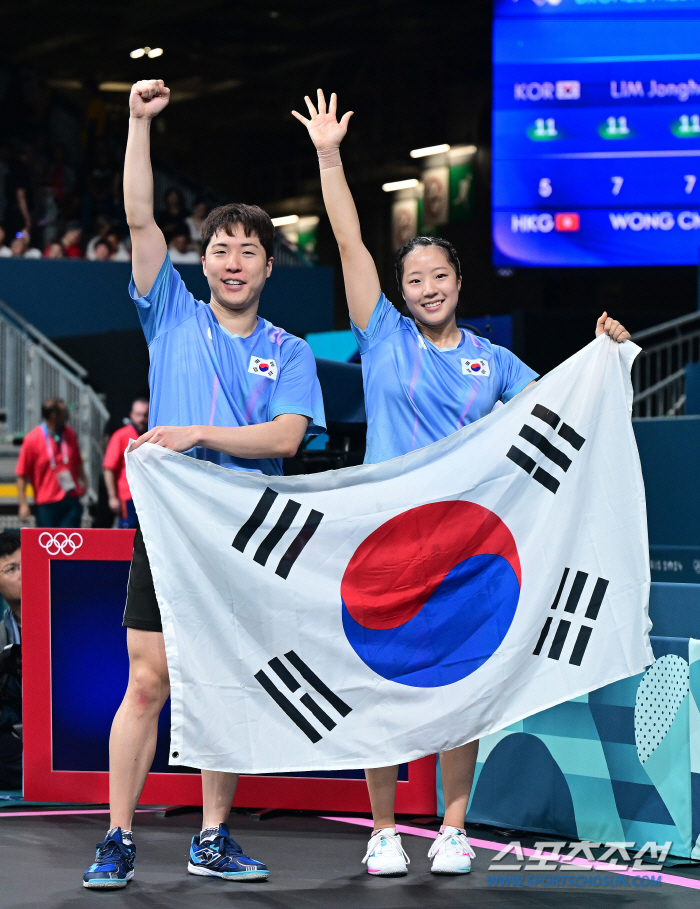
pixel 111 485
pixel 280 438
pixel 147 99
pixel 23 510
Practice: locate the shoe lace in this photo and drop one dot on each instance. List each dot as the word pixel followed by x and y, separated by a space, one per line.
pixel 443 839
pixel 226 845
pixel 393 841
pixel 110 850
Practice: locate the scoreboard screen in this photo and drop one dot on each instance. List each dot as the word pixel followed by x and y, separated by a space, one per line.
pixel 596 132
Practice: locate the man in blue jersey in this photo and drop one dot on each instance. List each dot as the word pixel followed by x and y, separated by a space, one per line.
pixel 227 387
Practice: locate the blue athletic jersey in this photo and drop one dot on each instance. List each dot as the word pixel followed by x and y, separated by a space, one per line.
pixel 416 393
pixel 201 374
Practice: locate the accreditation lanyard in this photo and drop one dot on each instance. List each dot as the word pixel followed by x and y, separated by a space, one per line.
pixel 49 448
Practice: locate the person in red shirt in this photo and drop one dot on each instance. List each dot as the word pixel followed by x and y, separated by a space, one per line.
pixel 50 460
pixel 120 500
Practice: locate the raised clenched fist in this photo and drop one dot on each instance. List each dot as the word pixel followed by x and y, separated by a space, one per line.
pixel 148 98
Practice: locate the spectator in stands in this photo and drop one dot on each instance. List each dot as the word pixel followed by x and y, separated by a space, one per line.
pixel 101 183
pixel 51 462
pixel 4 170
pixel 18 194
pixel 5 251
pixel 102 227
pixel 200 210
pixel 173 213
pixel 120 500
pixel 179 247
pixel 118 250
pixel 21 247
pixel 70 242
pixel 10 662
pixel 54 251
pixel 101 251
pixel 61 178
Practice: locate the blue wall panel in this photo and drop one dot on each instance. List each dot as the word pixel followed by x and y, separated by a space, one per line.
pixel 67 298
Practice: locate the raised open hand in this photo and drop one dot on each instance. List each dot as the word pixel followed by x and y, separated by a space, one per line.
pixel 325 130
pixel 148 98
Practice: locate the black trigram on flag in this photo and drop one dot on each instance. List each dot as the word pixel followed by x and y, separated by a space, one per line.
pixel 289 680
pixel 562 630
pixel 284 521
pixel 550 451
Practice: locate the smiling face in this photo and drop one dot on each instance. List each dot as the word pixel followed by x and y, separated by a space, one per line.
pixel 236 268
pixel 430 286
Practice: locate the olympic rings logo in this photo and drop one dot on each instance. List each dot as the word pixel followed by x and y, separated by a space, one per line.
pixel 60 543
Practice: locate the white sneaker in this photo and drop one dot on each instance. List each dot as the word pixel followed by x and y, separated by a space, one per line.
pixel 452 852
pixel 385 855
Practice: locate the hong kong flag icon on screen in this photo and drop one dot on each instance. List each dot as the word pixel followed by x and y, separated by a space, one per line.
pixel 567 220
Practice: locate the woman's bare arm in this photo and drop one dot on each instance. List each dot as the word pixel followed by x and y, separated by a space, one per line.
pixel 362 286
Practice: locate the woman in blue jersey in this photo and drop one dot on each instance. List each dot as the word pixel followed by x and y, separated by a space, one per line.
pixel 424 379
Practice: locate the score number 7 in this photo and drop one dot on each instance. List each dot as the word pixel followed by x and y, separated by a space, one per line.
pixel 689 182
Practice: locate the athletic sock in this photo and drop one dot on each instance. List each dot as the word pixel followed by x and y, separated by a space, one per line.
pixel 127 835
pixel 208 833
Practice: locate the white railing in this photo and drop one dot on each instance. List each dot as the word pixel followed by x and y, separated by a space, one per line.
pixel 658 374
pixel 33 368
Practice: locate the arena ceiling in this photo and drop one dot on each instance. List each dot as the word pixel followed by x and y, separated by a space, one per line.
pixel 416 73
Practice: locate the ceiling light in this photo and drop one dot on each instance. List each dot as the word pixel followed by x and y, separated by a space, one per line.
pixel 114 86
pixel 285 220
pixel 155 52
pixel 430 150
pixel 139 52
pixel 399 184
pixel 73 84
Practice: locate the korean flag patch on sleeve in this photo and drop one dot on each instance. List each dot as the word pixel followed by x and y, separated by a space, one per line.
pixel 262 367
pixel 475 367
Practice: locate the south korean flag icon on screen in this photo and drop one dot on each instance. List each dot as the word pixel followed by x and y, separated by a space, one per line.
pixel 475 367
pixel 263 367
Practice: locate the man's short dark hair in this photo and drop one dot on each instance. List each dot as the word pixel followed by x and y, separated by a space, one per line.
pixel 9 543
pixel 252 219
pixel 51 407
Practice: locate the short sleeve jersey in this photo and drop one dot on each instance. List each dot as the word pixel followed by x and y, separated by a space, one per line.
pixel 201 374
pixel 114 458
pixel 34 464
pixel 417 393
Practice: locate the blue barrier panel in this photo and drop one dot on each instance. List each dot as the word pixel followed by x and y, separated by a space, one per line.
pixel 692 388
pixel 669 448
pixel 66 298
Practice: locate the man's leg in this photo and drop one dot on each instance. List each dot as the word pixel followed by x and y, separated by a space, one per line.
pixel 46 515
pixel 132 742
pixel 218 790
pixel 73 513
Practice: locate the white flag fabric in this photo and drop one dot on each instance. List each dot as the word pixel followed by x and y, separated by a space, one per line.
pixel 373 615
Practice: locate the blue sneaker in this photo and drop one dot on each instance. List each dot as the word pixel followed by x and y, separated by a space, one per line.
pixel 223 857
pixel 114 863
